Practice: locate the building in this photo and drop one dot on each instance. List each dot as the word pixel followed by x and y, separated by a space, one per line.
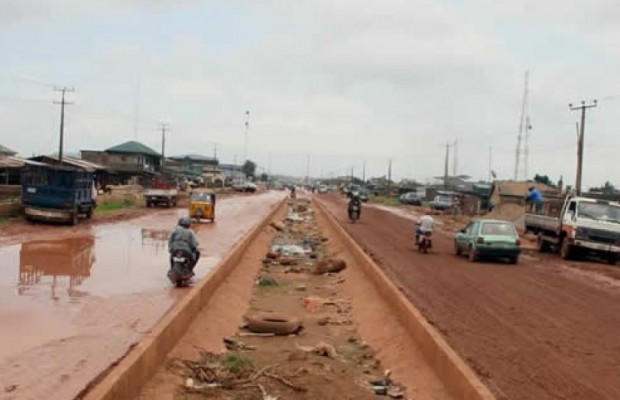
pixel 191 165
pixel 232 172
pixel 100 172
pixel 515 192
pixel 128 162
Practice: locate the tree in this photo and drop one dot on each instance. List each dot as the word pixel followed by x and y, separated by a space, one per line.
pixel 544 179
pixel 248 168
pixel 264 177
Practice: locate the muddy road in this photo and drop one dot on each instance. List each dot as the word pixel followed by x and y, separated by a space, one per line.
pixel 539 330
pixel 75 299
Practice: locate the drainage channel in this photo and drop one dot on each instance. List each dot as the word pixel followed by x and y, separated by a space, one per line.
pixel 301 313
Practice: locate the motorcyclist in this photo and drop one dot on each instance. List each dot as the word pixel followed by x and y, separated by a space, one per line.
pixel 182 238
pixel 425 225
pixel 355 201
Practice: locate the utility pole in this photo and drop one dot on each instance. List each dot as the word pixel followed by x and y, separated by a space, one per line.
pixel 215 151
pixel 490 164
pixel 164 127
pixel 455 157
pixel 247 127
pixel 445 170
pixel 62 103
pixel 364 171
pixel 389 176
pixel 583 107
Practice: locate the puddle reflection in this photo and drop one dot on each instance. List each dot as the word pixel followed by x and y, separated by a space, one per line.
pixel 67 262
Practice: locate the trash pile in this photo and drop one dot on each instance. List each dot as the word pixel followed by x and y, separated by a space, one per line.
pixel 298 339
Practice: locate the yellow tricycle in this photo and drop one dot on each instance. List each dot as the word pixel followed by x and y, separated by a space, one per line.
pixel 202 205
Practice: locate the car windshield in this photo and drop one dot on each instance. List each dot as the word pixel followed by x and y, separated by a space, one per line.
pixel 498 229
pixel 599 211
pixel 443 199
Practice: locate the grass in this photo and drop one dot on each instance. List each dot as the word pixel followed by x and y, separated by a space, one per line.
pixel 237 363
pixel 114 205
pixel 384 200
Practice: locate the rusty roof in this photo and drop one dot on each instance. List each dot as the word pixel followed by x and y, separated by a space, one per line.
pixel 72 161
pixel 16 162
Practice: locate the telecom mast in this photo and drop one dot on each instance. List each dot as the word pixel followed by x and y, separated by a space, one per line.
pixel 523 128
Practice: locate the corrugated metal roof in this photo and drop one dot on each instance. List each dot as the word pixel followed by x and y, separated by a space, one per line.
pixel 74 162
pixel 16 162
pixel 133 147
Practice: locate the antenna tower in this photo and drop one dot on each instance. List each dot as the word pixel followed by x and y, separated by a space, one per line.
pixel 522 127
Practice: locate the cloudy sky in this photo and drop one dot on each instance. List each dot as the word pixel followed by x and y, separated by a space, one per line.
pixel 329 84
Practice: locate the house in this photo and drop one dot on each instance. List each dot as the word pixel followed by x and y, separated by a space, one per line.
pixel 232 172
pixel 128 162
pixel 191 165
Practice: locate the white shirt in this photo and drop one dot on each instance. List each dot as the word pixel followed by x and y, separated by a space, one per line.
pixel 426 223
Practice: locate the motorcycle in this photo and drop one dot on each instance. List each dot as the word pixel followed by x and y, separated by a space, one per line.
pixel 180 272
pixel 425 242
pixel 354 212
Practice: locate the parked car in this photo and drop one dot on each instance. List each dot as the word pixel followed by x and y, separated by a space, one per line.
pixel 410 198
pixel 322 188
pixel 489 238
pixel 442 202
pixel 250 187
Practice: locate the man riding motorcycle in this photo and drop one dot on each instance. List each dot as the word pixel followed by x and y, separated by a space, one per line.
pixel 183 239
pixel 353 203
pixel 425 225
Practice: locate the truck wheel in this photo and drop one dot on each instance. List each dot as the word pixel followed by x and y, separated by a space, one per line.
pixel 514 260
pixel 89 213
pixel 457 249
pixel 74 218
pixel 612 258
pixel 566 250
pixel 543 245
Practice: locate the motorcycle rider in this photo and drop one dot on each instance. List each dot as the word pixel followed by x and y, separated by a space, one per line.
pixel 425 224
pixel 355 201
pixel 182 238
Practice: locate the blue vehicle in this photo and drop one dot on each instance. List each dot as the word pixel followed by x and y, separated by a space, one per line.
pixel 57 193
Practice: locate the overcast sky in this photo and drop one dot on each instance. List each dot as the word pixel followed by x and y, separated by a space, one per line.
pixel 330 82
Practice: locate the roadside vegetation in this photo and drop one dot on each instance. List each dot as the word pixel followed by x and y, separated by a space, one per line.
pixel 109 206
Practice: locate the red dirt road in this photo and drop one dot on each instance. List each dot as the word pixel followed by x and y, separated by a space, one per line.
pixel 535 331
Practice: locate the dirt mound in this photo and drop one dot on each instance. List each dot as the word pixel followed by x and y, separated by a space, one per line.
pixel 507 212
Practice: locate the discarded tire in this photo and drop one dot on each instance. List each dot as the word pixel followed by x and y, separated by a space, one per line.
pixel 329 265
pixel 276 323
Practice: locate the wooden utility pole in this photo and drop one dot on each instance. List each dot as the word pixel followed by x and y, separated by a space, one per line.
pixel 364 171
pixel 445 171
pixel 390 176
pixel 583 107
pixel 62 103
pixel 164 128
pixel 247 128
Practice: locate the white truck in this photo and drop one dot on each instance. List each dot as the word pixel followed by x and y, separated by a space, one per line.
pixel 162 192
pixel 575 225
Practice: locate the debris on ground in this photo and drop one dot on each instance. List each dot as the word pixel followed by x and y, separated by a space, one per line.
pixel 299 338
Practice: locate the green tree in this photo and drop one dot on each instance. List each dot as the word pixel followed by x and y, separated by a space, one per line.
pixel 249 168
pixel 544 179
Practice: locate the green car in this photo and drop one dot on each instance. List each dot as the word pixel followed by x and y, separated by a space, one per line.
pixel 489 238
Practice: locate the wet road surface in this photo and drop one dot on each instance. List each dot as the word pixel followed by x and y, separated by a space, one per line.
pixel 72 303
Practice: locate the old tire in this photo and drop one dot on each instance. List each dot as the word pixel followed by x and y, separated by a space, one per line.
pixel 566 250
pixel 472 255
pixel 457 249
pixel 612 258
pixel 276 323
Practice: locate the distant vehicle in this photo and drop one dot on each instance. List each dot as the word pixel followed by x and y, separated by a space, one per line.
pixel 57 193
pixel 577 224
pixel 489 238
pixel 323 189
pixel 410 198
pixel 442 202
pixel 163 192
pixel 250 187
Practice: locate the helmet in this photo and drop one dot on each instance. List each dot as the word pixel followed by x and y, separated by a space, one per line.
pixel 185 222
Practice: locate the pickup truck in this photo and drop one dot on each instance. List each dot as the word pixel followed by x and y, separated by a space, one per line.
pixel 161 193
pixel 57 193
pixel 577 225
